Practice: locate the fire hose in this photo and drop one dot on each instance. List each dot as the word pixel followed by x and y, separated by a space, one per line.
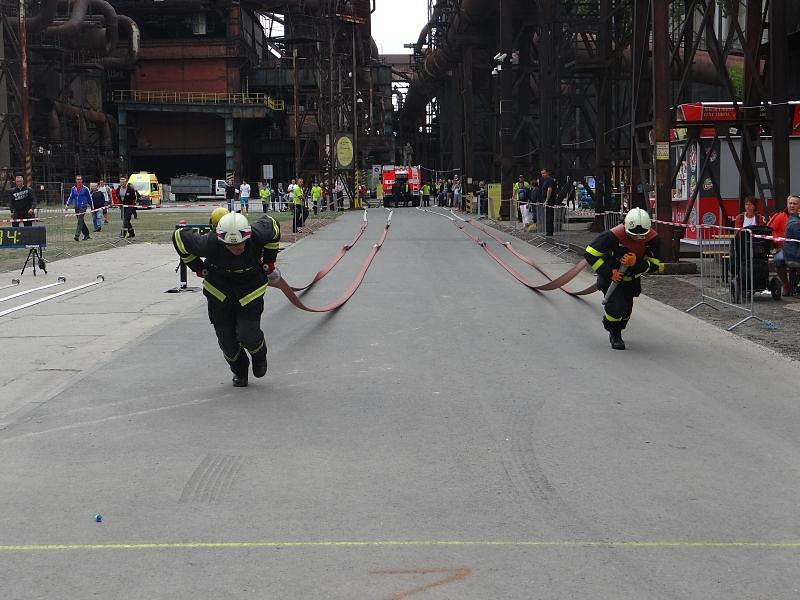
pixel 612 288
pixel 335 260
pixel 553 284
pixel 289 292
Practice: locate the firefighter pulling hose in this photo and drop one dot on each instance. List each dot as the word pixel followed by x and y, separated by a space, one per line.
pixel 239 265
pixel 620 257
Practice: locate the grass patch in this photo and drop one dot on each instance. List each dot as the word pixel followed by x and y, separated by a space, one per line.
pixel 155 226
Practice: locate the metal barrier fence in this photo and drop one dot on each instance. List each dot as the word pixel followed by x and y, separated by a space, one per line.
pixel 51 196
pixel 552 225
pixel 734 267
pixel 612 219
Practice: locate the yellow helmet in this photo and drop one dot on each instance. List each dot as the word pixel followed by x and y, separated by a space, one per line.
pixel 216 215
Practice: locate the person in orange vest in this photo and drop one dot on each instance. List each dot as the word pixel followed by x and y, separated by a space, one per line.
pixel 621 256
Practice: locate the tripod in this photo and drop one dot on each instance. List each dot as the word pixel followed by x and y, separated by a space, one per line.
pixel 35 258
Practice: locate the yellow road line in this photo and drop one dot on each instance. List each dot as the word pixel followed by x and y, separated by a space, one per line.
pixel 657 545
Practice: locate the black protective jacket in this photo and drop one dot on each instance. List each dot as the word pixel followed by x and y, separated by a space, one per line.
pixel 606 250
pixel 20 201
pixel 231 278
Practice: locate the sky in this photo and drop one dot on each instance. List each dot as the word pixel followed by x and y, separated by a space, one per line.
pixel 398 22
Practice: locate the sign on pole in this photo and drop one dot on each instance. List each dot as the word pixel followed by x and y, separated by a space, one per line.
pixel 344 152
pixel 266 172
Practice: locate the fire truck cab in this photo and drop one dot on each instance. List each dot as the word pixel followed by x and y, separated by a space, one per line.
pixel 401 185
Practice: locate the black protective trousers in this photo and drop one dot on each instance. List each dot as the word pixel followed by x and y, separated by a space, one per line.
pixel 127 227
pixel 238 328
pixel 619 307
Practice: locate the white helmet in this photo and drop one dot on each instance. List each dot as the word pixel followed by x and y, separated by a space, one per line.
pixel 637 223
pixel 233 228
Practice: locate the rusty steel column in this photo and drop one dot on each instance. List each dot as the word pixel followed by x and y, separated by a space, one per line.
pixel 5 138
pixel 295 108
pixel 24 96
pixel 662 119
pixel 354 202
pixel 641 99
pixel 332 129
pixel 603 83
pixel 506 31
pixel 781 115
pixel 752 99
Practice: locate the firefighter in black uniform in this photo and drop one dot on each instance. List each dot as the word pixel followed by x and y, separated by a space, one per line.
pixel 622 255
pixel 239 265
pixel 21 203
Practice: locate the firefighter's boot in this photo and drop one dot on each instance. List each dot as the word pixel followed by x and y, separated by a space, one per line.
pixel 260 362
pixel 617 343
pixel 239 368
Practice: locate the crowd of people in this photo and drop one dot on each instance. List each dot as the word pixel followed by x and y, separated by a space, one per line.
pixel 301 199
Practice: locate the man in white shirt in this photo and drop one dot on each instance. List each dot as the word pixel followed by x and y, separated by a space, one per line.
pixel 244 196
pixel 338 191
pixel 106 191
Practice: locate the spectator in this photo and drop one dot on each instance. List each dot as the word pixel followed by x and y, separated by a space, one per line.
pixel 264 194
pixel 448 190
pixel 316 196
pixel 98 204
pixel 297 204
pixel 338 190
pixel 536 198
pixel 521 190
pixel 457 196
pixel 82 200
pixel 482 196
pixel 103 189
pixel 362 195
pixel 21 203
pixel 521 194
pixel 128 199
pixel 548 191
pixel 778 223
pixel 244 197
pixel 575 195
pixel 230 196
pixel 426 194
pixel 749 217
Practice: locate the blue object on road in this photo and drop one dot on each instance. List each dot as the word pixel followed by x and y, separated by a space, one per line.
pixel 98 518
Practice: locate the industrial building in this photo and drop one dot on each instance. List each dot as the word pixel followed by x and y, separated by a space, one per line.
pixel 213 87
pixel 592 89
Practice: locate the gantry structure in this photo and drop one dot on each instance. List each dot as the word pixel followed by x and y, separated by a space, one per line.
pixel 592 89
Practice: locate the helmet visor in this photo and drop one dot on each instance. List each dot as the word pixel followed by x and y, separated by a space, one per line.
pixel 233 237
pixel 637 231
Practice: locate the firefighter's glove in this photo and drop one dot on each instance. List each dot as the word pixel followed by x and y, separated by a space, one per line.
pixel 273 273
pixel 616 276
pixel 628 260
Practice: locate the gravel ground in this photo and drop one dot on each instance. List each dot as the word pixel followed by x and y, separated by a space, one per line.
pixel 780 333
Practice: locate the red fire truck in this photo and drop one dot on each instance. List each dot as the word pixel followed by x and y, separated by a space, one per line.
pixel 711 207
pixel 401 185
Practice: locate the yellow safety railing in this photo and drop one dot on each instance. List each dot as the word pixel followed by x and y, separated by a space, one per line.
pixel 159 97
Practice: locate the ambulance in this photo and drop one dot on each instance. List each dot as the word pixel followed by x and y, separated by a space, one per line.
pixel 148 187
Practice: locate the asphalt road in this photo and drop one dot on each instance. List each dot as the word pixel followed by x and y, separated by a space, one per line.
pixel 446 434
